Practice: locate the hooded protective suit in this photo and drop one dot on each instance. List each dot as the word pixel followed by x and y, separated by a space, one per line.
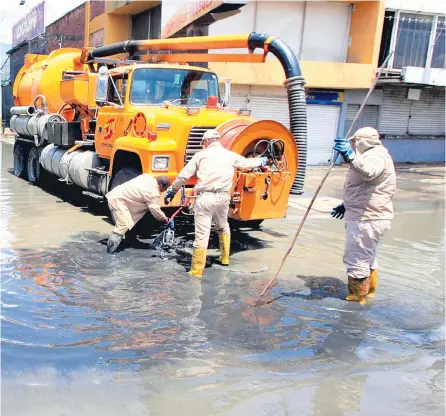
pixel 368 199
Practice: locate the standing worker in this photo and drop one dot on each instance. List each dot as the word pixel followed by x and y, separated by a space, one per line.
pixel 214 168
pixel 130 201
pixel 368 207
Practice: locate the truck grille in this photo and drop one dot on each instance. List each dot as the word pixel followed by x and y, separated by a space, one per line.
pixel 194 141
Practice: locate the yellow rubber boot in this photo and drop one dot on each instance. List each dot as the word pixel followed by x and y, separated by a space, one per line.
pixel 357 290
pixel 198 262
pixel 373 280
pixel 225 246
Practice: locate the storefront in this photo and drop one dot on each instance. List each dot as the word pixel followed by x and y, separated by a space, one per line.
pixel 271 103
pixel 410 120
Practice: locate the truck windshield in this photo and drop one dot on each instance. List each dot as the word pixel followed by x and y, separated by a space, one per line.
pixel 180 86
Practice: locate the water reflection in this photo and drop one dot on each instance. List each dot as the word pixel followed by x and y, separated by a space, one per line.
pixel 88 333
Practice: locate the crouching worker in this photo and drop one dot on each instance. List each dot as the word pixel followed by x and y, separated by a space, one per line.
pixel 214 168
pixel 368 208
pixel 130 201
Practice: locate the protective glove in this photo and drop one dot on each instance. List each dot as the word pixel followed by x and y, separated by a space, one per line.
pixel 170 194
pixel 344 147
pixel 264 160
pixel 338 212
pixel 170 223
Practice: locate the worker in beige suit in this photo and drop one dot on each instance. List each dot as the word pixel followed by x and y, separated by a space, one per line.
pixel 130 201
pixel 368 208
pixel 214 168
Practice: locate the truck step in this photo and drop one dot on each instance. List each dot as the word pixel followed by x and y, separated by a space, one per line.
pixel 85 143
pixel 93 195
pixel 98 171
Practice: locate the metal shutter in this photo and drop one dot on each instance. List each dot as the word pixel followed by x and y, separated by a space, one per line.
pixel 238 102
pixel 239 96
pixel 428 113
pixel 395 111
pixel 368 117
pixel 352 110
pixel 322 130
pixel 270 108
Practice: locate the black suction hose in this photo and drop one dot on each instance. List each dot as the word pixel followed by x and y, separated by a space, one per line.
pixel 298 126
pixel 296 100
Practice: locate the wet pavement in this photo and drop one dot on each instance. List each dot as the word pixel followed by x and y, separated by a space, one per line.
pixel 86 333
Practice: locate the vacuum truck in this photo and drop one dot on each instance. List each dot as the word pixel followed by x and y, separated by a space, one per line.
pixel 97 117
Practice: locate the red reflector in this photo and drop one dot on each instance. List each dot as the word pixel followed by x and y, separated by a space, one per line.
pixel 152 136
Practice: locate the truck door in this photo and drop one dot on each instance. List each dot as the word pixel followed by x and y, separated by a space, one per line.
pixel 110 120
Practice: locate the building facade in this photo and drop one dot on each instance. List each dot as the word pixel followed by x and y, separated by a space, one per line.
pixel 82 26
pixel 408 105
pixel 339 44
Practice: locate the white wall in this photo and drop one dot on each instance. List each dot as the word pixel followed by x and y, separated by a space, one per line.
pixel 325 26
pixel 242 22
pixel 427 6
pixel 326 32
pixel 169 8
pixel 282 19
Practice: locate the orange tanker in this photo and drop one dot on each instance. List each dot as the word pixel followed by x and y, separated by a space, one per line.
pixel 98 121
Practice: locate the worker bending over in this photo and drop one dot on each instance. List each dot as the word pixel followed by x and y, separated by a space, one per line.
pixel 130 201
pixel 214 168
pixel 368 207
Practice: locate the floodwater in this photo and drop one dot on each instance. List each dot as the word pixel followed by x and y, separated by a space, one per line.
pixel 86 333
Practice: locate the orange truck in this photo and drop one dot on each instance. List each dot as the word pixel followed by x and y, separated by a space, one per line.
pixel 98 117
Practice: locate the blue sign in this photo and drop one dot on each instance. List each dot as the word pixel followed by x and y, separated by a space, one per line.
pixel 325 97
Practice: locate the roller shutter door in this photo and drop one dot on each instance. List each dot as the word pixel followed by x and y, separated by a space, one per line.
pixel 427 116
pixel 238 102
pixel 271 103
pixel 270 108
pixel 239 96
pixel 423 117
pixel 322 130
pixel 395 111
pixel 368 117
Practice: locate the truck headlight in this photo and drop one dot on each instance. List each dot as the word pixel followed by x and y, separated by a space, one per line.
pixel 160 163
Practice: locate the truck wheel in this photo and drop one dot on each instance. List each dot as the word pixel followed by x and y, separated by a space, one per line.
pixel 33 166
pixel 20 157
pixel 124 175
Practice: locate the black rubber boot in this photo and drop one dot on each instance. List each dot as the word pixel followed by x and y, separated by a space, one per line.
pixel 113 242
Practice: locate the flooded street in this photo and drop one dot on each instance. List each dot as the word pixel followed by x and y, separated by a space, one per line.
pixel 86 333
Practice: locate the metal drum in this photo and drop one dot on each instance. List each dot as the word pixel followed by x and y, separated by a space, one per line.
pixel 46 157
pixel 19 124
pixel 64 165
pixel 80 162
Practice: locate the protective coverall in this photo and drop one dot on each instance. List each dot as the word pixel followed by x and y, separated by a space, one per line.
pixel 368 200
pixel 130 201
pixel 214 168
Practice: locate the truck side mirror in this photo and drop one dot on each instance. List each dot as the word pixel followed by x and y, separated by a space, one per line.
pixel 102 86
pixel 227 93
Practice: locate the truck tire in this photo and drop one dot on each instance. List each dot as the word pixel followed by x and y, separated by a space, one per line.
pixel 33 166
pixel 124 175
pixel 20 160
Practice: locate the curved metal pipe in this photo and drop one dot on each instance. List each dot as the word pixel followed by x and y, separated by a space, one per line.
pixel 24 110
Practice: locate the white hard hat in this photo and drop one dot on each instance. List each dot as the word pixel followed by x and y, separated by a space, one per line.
pixel 211 135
